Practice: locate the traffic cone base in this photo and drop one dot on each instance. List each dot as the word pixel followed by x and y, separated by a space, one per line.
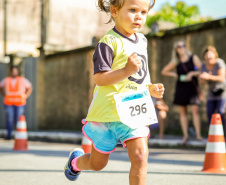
pixel 21 134
pixel 21 144
pixel 86 144
pixel 214 163
pixel 215 158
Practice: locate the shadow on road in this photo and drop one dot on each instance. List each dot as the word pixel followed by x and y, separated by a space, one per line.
pixel 53 153
pixel 152 159
pixel 116 155
pixel 111 172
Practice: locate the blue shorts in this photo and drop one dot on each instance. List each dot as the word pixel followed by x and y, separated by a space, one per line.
pixel 105 136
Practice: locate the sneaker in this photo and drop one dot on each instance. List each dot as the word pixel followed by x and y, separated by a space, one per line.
pixel 68 171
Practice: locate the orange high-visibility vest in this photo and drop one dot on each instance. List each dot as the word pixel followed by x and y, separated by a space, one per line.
pixel 15 95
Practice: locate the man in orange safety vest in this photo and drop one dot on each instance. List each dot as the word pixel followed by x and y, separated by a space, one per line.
pixel 15 90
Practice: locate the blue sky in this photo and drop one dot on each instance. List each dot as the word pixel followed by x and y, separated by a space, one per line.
pixel 213 8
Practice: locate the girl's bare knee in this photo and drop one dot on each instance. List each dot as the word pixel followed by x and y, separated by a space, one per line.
pixel 97 167
pixel 140 158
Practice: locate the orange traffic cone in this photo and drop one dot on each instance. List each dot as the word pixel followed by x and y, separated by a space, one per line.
pixel 86 144
pixel 21 134
pixel 215 159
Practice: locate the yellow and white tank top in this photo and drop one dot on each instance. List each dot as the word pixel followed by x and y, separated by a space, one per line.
pixel 112 53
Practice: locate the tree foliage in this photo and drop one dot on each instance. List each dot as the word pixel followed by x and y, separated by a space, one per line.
pixel 180 14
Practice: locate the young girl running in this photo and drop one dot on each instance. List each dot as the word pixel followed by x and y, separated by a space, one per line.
pixel 120 110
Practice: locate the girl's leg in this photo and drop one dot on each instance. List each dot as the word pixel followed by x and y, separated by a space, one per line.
pixel 138 155
pixel 95 161
pixel 184 122
pixel 196 121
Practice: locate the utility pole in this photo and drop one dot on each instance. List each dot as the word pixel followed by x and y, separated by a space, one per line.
pixel 5 28
pixel 41 64
pixel 5 35
pixel 43 23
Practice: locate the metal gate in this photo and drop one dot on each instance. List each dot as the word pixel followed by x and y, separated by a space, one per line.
pixel 3 74
pixel 30 72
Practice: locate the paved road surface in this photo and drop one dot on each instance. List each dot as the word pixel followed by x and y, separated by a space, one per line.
pixel 43 164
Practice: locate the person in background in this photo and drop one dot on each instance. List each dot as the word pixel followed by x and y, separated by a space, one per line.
pixel 161 111
pixel 15 90
pixel 213 73
pixel 187 92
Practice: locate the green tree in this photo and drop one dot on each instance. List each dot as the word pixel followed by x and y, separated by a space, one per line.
pixel 180 14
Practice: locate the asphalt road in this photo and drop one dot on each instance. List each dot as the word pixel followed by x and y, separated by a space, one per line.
pixel 43 164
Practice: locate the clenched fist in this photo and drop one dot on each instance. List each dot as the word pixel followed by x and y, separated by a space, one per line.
pixel 156 90
pixel 133 64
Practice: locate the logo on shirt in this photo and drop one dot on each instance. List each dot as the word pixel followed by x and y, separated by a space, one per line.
pixel 131 87
pixel 111 37
pixel 144 39
pixel 142 73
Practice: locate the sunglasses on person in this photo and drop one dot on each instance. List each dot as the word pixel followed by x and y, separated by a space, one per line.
pixel 181 46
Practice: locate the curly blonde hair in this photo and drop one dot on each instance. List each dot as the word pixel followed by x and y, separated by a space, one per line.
pixel 104 5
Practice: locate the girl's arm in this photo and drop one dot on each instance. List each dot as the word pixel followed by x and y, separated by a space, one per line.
pixel 167 70
pixel 106 78
pixel 110 77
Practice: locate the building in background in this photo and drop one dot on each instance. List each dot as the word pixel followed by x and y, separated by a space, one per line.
pixel 70 24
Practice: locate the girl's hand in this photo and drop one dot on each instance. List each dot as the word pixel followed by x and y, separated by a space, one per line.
pixel 156 90
pixel 133 64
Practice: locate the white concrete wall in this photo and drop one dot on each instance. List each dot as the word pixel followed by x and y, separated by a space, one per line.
pixel 22 26
pixel 71 24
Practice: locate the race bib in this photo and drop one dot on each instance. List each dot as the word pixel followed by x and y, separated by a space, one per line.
pixel 135 108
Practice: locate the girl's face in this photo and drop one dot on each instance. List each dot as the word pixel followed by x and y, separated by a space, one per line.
pixel 210 58
pixel 131 17
pixel 180 47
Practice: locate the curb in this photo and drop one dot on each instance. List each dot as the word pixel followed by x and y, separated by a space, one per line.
pixel 76 138
pixel 68 137
pixel 176 143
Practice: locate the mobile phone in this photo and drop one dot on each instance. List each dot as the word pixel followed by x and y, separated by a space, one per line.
pixel 182 78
